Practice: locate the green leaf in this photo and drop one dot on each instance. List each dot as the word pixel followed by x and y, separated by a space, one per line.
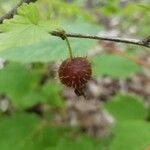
pixel 126 107
pixel 63 9
pixel 25 131
pixel 16 130
pixel 20 85
pixel 131 135
pixel 82 27
pixel 30 12
pixel 83 142
pixel 52 93
pixel 114 66
pixel 26 37
pixel 53 48
pixel 25 28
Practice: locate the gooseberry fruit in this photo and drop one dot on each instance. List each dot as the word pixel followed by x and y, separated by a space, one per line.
pixel 75 73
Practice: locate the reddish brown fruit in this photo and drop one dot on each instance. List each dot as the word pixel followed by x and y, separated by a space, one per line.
pixel 75 72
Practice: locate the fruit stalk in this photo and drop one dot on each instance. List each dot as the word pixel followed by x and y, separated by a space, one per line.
pixel 69 47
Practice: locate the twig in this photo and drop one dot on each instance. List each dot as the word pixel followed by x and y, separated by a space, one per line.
pixel 13 11
pixel 106 38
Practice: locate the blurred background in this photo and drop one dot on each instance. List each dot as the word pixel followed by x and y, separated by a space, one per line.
pixel 38 113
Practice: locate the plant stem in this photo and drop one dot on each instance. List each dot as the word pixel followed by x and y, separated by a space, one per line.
pixel 69 47
pixel 145 42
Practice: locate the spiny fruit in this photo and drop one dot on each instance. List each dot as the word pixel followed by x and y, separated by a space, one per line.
pixel 75 73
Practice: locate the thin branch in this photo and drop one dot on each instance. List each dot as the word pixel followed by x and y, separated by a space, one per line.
pixel 144 42
pixel 13 11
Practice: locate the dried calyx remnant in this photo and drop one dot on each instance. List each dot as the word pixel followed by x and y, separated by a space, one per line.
pixel 75 72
